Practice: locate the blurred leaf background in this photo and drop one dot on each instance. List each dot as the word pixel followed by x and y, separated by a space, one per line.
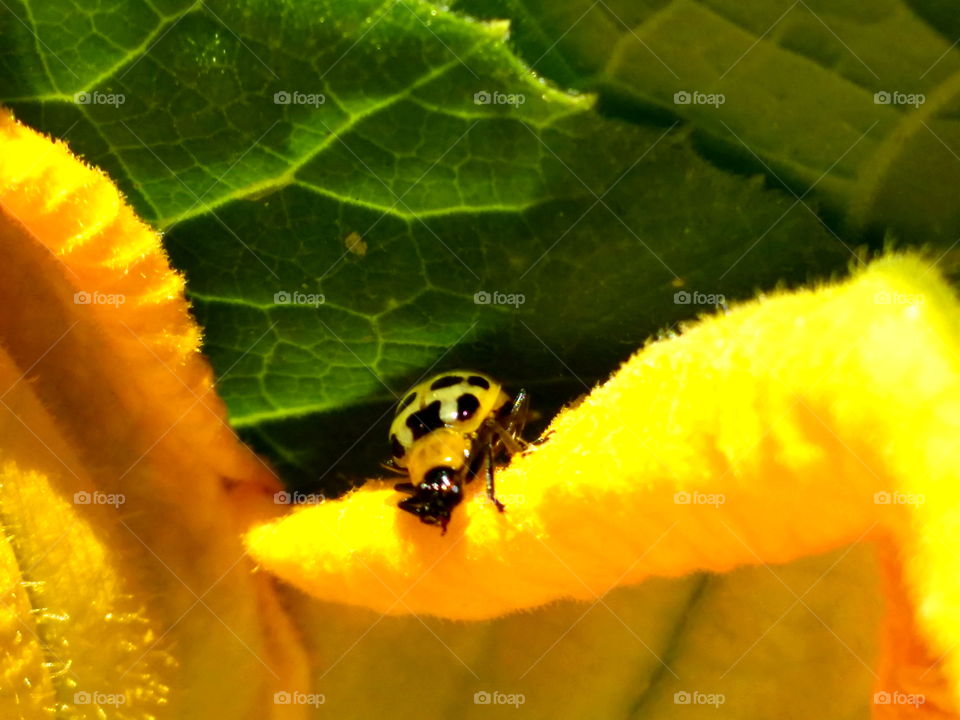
pixel 359 192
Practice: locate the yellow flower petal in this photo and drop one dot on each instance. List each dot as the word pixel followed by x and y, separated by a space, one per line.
pixel 127 589
pixel 795 424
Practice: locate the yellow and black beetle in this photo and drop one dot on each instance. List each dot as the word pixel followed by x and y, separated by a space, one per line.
pixel 446 430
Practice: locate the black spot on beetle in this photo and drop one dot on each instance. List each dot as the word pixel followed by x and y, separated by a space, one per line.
pixel 467 405
pixel 426 420
pixel 478 381
pixel 398 450
pixel 446 381
pixel 405 403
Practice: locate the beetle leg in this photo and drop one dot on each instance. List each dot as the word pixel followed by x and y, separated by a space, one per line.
pixel 509 431
pixel 491 490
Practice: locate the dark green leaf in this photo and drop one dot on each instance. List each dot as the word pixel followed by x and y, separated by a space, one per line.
pixel 389 205
pixel 798 82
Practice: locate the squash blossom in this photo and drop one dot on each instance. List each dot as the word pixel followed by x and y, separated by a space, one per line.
pixel 149 574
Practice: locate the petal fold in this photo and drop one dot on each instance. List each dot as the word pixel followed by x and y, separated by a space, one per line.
pixel 789 426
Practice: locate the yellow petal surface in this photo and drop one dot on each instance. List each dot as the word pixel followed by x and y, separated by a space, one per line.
pixel 126 590
pixel 792 425
pixel 790 642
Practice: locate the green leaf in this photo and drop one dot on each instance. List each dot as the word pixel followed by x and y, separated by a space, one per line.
pixel 583 226
pixel 798 83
